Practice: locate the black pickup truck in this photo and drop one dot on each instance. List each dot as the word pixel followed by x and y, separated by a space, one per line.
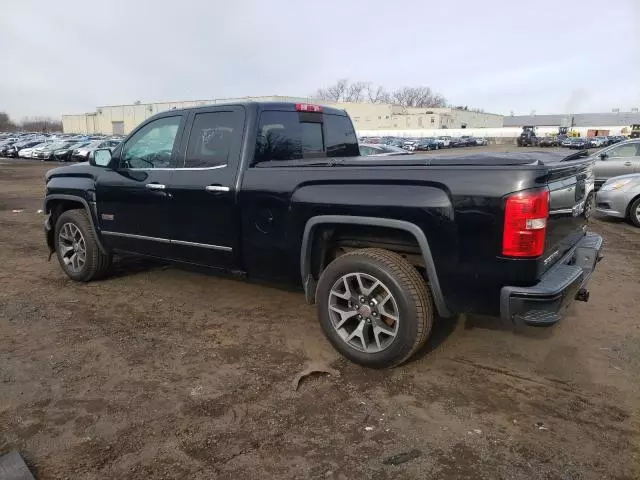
pixel 381 245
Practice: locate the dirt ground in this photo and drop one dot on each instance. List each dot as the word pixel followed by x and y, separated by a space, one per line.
pixel 161 372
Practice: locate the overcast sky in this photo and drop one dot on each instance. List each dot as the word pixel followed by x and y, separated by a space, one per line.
pixel 69 56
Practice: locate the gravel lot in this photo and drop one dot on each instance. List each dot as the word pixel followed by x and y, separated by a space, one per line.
pixel 161 372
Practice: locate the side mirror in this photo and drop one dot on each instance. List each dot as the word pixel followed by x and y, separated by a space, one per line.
pixel 101 158
pixel 603 156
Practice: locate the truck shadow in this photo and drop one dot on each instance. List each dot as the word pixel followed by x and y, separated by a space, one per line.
pixel 444 328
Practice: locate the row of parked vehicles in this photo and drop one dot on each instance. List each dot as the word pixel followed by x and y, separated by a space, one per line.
pixel 580 143
pixel 565 138
pixel 54 147
pixel 403 146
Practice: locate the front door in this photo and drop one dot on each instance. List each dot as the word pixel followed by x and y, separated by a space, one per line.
pixel 618 160
pixel 204 221
pixel 133 198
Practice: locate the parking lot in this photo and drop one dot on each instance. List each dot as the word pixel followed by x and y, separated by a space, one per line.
pixel 162 372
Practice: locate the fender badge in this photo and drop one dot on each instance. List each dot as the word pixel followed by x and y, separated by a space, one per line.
pixel 107 216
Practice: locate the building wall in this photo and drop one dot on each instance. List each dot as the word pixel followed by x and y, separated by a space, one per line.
pixel 365 116
pixel 132 115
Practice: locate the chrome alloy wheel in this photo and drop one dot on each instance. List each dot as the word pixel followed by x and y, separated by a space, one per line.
pixel 72 247
pixel 364 312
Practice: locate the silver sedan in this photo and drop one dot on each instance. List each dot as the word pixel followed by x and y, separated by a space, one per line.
pixel 620 197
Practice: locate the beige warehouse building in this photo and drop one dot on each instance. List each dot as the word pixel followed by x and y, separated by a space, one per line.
pixel 121 119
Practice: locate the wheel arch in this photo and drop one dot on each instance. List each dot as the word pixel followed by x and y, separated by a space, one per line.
pixel 310 237
pixel 55 205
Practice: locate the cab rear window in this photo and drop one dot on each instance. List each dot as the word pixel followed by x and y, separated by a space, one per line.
pixel 297 135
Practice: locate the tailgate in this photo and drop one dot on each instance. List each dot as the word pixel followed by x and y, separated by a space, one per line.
pixel 569 185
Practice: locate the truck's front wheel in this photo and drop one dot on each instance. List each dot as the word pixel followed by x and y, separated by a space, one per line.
pixel 374 307
pixel 77 248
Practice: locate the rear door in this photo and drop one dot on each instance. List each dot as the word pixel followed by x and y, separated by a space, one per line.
pixel 618 160
pixel 204 222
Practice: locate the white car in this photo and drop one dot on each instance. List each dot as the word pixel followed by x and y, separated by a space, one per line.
pixel 444 141
pixel 27 152
pixel 35 150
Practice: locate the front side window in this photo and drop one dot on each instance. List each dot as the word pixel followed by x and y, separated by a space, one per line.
pixel 152 145
pixel 628 150
pixel 210 139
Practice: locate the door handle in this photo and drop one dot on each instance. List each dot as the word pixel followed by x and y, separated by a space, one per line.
pixel 627 164
pixel 216 188
pixel 155 186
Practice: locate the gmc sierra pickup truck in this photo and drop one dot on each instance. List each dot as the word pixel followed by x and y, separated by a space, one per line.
pixel 382 245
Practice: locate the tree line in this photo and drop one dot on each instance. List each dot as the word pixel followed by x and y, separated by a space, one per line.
pixel 29 124
pixel 366 92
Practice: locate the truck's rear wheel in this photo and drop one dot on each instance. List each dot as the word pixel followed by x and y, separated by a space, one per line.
pixel 77 248
pixel 374 307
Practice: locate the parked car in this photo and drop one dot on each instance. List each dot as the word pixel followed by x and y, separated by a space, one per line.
pixel 426 144
pixel 49 152
pixel 481 141
pixel 467 141
pixel 373 149
pixel 410 144
pixel 620 197
pixel 445 141
pixel 35 151
pixel 84 153
pixel 63 154
pixel 548 142
pixel 578 143
pixel 17 147
pixel 618 159
pixel 382 245
pixel 598 142
pixel 456 142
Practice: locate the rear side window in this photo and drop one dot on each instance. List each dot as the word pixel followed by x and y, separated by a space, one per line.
pixel 295 135
pixel 340 139
pixel 211 139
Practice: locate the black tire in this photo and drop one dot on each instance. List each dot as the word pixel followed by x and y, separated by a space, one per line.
pixel 409 290
pixel 634 212
pixel 589 205
pixel 97 263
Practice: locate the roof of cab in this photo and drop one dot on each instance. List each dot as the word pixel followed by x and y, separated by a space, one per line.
pixel 284 106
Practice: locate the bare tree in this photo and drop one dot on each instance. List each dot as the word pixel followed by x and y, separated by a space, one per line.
pixel 377 94
pixel 417 97
pixel 345 91
pixel 354 92
pixel 41 124
pixel 334 93
pixel 6 125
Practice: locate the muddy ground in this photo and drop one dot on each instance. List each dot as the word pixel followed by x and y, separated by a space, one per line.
pixel 161 372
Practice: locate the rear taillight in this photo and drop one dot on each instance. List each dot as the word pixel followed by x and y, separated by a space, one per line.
pixel 306 107
pixel 525 223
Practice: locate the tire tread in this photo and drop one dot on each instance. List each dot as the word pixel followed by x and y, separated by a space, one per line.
pixel 99 263
pixel 415 286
